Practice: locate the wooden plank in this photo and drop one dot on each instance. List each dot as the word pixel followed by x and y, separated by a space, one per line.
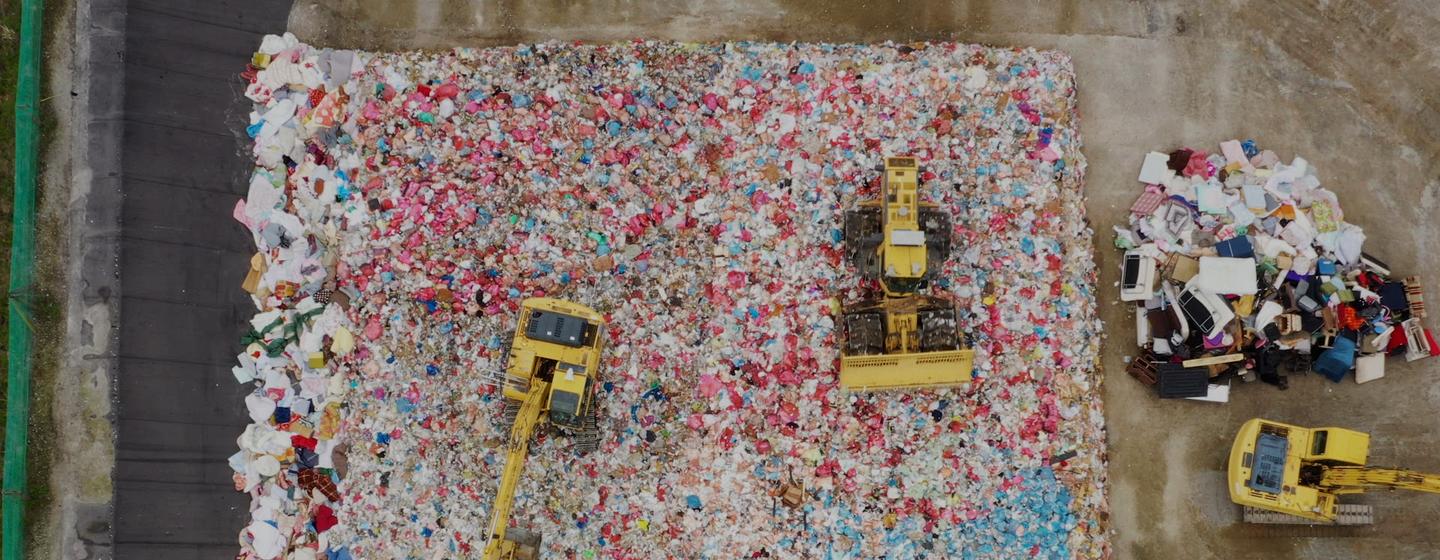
pixel 1213 360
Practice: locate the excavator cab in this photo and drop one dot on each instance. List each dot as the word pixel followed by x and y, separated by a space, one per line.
pixel 1339 446
pixel 570 397
pixel 900 338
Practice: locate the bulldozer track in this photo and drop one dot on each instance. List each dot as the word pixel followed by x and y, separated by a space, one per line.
pixel 1263 531
pixel 587 439
pixel 1354 520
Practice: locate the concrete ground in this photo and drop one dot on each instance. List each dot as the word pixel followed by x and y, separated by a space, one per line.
pixel 148 156
pixel 75 203
pixel 1349 84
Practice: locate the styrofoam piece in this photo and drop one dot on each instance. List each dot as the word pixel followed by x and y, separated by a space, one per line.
pixel 1233 152
pixel 1369 368
pixel 1227 276
pixel 1142 330
pixel 1154 171
pixel 1215 394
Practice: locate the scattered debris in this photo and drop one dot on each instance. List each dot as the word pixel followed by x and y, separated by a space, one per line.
pixel 1260 270
pixel 404 204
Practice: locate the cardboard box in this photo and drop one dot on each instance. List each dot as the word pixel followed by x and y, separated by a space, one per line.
pixel 257 269
pixel 1181 268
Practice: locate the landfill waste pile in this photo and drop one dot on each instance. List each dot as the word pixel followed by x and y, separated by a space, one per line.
pixel 404 204
pixel 1240 265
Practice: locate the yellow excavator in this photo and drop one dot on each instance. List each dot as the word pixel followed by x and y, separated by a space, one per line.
pixel 549 377
pixel 900 338
pixel 1286 474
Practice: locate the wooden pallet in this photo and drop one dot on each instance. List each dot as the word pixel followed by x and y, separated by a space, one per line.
pixel 1349 514
pixel 1415 296
pixel 1142 367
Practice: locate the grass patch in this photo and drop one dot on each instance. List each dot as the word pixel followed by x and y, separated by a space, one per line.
pixel 9 69
pixel 49 291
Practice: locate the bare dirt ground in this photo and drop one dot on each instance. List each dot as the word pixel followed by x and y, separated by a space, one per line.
pixel 1351 85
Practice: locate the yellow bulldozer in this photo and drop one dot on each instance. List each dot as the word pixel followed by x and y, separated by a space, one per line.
pixel 900 337
pixel 549 378
pixel 1284 474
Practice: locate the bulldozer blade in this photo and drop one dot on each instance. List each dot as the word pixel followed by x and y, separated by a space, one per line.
pixel 906 371
pixel 863 235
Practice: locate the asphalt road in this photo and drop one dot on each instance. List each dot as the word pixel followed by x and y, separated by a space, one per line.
pixel 182 260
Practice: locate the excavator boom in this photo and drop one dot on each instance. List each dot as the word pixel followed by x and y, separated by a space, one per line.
pixel 549 379
pixel 527 419
pixel 1354 480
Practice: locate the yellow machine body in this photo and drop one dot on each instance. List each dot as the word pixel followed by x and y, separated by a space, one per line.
pixel 906 371
pixel 900 339
pixel 561 336
pixel 1301 471
pixel 902 253
pixel 553 362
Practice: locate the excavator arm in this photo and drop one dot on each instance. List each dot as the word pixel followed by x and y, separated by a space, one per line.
pixel 1355 480
pixel 508 543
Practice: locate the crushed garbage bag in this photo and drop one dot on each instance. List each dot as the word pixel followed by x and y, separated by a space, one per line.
pixel 405 204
